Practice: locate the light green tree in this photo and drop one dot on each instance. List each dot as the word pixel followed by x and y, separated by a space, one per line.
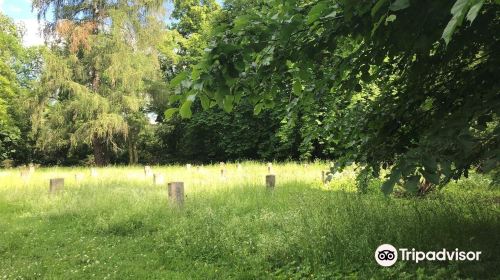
pixel 11 52
pixel 93 89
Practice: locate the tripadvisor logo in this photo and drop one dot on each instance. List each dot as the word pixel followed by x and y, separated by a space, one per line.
pixel 387 255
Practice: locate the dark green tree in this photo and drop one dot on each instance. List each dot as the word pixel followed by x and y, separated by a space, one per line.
pixel 406 86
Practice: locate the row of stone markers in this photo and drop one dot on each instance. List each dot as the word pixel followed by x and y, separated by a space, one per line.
pixel 26 172
pixel 175 189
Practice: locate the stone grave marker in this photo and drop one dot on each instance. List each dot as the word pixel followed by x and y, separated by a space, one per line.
pixel 176 192
pixel 25 174
pixel 270 181
pixel 148 172
pixel 31 168
pixel 56 185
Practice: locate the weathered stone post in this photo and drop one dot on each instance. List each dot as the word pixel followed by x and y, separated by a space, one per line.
pixel 78 177
pixel 56 185
pixel 322 176
pixel 176 192
pixel 270 181
pixel 222 172
pixel 93 172
pixel 148 172
pixel 25 174
pixel 31 168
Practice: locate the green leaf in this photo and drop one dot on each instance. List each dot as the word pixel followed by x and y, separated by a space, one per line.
pixel 411 183
pixel 169 113
pixel 331 15
pixel 258 108
pixel 474 10
pixel 241 22
pixel 228 103
pixel 219 96
pixel 176 81
pixel 174 98
pixel 399 5
pixel 197 69
pixel 431 177
pixel 191 97
pixel 390 18
pixel 458 12
pixel 388 186
pixel 205 102
pixel 185 110
pixel 430 163
pixel 449 29
pixel 316 12
pixel 445 167
pixel 297 87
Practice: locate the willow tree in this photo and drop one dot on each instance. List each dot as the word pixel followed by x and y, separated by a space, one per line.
pixel 93 88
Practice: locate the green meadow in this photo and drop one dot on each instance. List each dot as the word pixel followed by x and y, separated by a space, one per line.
pixel 119 225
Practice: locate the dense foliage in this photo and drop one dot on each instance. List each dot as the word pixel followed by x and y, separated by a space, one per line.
pixel 9 86
pixel 214 135
pixel 19 66
pixel 89 94
pixel 397 85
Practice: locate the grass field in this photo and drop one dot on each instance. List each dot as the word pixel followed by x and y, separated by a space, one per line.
pixel 120 226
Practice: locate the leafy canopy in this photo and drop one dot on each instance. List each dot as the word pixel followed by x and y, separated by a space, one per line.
pixel 406 86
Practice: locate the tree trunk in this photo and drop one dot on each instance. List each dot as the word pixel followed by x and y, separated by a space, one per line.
pixel 130 153
pixel 100 151
pixel 136 156
pixel 133 158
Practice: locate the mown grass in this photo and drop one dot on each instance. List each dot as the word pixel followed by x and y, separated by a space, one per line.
pixel 121 226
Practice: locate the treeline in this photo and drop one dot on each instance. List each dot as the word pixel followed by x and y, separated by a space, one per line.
pixel 408 89
pixel 93 95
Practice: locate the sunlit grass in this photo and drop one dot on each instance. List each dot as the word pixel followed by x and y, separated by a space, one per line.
pixel 120 225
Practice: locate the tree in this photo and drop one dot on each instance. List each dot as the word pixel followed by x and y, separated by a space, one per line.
pixel 11 57
pixel 400 85
pixel 93 88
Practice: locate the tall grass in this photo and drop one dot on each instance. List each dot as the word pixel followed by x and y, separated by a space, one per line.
pixel 119 225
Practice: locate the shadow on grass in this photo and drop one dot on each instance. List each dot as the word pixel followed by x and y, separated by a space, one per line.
pixel 295 231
